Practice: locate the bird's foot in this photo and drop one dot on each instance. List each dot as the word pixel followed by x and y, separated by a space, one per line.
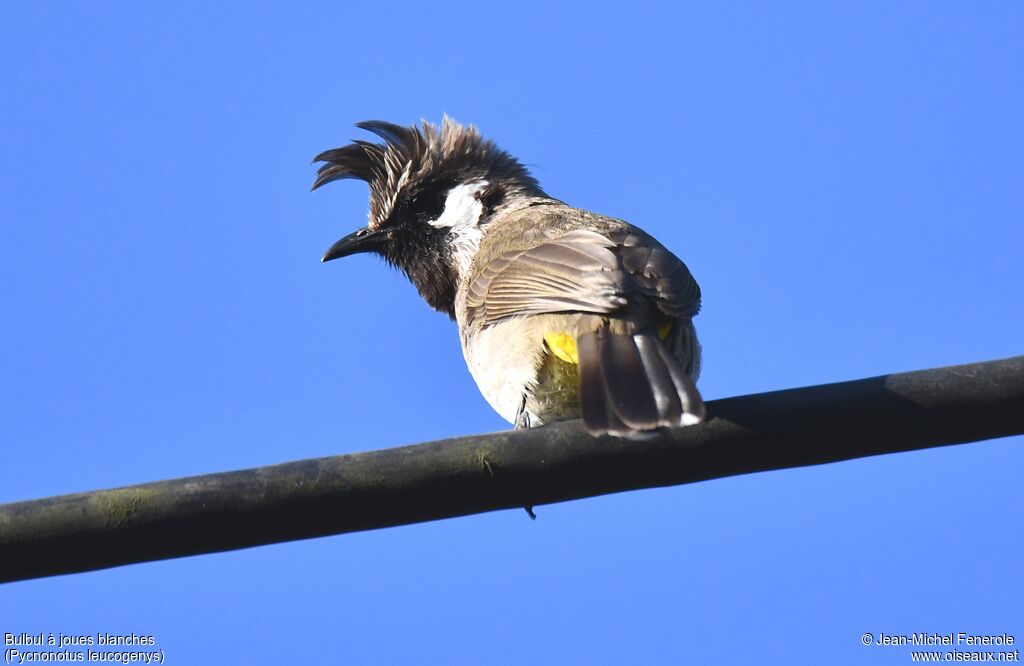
pixel 522 416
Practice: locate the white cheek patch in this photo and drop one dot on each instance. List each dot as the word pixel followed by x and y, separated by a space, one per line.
pixel 462 211
pixel 461 208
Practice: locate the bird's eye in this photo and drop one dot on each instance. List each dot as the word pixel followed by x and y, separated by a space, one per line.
pixel 428 203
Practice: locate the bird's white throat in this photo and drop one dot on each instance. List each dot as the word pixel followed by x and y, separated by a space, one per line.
pixel 461 216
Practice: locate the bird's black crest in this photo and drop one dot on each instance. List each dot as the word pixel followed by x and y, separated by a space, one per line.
pixel 415 155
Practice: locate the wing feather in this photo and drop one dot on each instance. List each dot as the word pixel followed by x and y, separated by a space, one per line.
pixel 583 271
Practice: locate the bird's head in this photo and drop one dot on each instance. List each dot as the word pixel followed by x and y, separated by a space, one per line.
pixel 432 192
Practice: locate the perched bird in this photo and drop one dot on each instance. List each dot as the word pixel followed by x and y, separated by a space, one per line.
pixel 562 312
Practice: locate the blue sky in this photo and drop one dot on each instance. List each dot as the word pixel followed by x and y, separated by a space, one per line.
pixel 845 180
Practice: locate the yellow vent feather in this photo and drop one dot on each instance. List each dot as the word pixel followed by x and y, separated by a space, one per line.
pixel 563 346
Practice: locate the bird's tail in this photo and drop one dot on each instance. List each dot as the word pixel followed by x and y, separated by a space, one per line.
pixel 631 383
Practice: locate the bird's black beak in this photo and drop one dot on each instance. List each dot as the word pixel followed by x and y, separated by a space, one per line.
pixel 364 240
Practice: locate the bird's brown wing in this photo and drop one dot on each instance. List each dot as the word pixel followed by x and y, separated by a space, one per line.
pixel 583 271
pixel 658 273
pixel 629 382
